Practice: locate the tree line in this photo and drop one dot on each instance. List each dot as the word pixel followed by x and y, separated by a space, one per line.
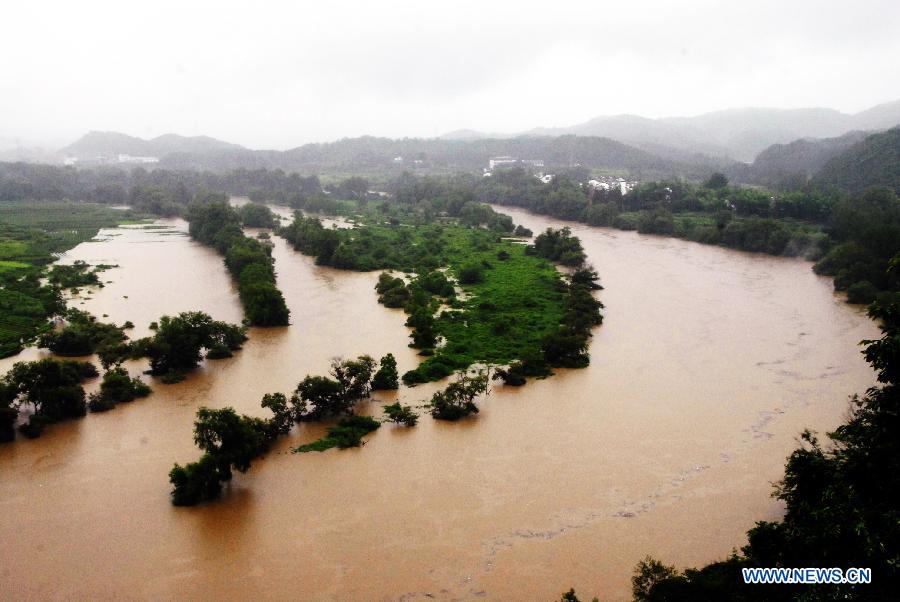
pixel 214 223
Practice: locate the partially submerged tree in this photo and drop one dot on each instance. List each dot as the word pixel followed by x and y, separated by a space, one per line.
pixel 52 389
pixel 386 378
pixel 400 414
pixel 458 399
pixel 318 397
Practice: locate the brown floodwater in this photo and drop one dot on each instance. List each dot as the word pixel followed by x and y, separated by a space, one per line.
pixel 709 364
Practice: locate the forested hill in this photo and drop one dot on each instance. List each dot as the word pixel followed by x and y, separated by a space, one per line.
pixel 874 161
pixel 789 165
pixel 370 155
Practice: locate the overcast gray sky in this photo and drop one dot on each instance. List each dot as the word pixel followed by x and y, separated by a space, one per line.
pixel 276 75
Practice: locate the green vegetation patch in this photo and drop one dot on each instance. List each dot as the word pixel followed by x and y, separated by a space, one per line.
pixel 30 234
pixel 513 299
pixel 348 433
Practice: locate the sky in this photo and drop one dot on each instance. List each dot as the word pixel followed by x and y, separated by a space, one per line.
pixel 280 74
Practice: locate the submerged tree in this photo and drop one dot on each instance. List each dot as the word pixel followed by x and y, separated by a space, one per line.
pixel 176 346
pixel 400 414
pixel 52 388
pixel 117 387
pixel 458 399
pixel 318 397
pixel 386 378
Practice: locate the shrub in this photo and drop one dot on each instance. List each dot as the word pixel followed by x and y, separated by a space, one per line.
pixel 400 414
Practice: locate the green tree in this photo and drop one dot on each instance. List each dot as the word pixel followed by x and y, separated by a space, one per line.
pixel 458 399
pixel 386 378
pixel 52 388
pixel 400 414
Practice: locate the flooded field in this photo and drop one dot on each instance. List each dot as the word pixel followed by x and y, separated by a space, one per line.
pixel 709 364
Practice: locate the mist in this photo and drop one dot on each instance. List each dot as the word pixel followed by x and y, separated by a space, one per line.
pixel 284 74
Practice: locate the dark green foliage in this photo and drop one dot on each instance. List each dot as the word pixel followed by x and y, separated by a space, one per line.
pixel 84 335
pixel 867 232
pixel 513 376
pixel 196 482
pixel 874 161
pixel 392 292
pixel 175 347
pixel 400 414
pixel 284 415
pixel 8 416
pixel 214 223
pixel 74 275
pixel 862 292
pixel 256 215
pixel 567 346
pixel 559 245
pixel 318 397
pixel 523 232
pixel 117 386
pixel 436 283
pixel 471 273
pixel 97 403
pixel 348 433
pixel 386 378
pixel 659 221
pixel 218 352
pixel 458 399
pixel 50 387
pixel 231 442
pixel 840 501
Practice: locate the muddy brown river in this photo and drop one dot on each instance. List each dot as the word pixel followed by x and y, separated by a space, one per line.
pixel 709 364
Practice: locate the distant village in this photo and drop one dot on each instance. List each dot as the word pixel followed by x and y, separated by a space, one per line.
pixel 121 159
pixel 601 182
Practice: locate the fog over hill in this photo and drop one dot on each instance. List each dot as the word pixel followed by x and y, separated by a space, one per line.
pixel 739 134
pixel 94 144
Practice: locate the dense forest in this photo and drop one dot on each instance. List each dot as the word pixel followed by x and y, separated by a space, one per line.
pixel 874 161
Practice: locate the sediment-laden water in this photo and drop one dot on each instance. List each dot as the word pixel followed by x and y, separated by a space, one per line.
pixel 709 364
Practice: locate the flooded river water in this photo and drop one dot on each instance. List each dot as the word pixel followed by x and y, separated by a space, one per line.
pixel 709 364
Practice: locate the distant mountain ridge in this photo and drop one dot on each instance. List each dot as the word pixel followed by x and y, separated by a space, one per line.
pixel 97 144
pixel 368 154
pixel 739 134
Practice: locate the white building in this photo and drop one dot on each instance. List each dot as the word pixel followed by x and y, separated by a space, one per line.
pixel 495 162
pixel 129 159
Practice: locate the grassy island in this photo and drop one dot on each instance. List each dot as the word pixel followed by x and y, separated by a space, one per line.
pixel 473 294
